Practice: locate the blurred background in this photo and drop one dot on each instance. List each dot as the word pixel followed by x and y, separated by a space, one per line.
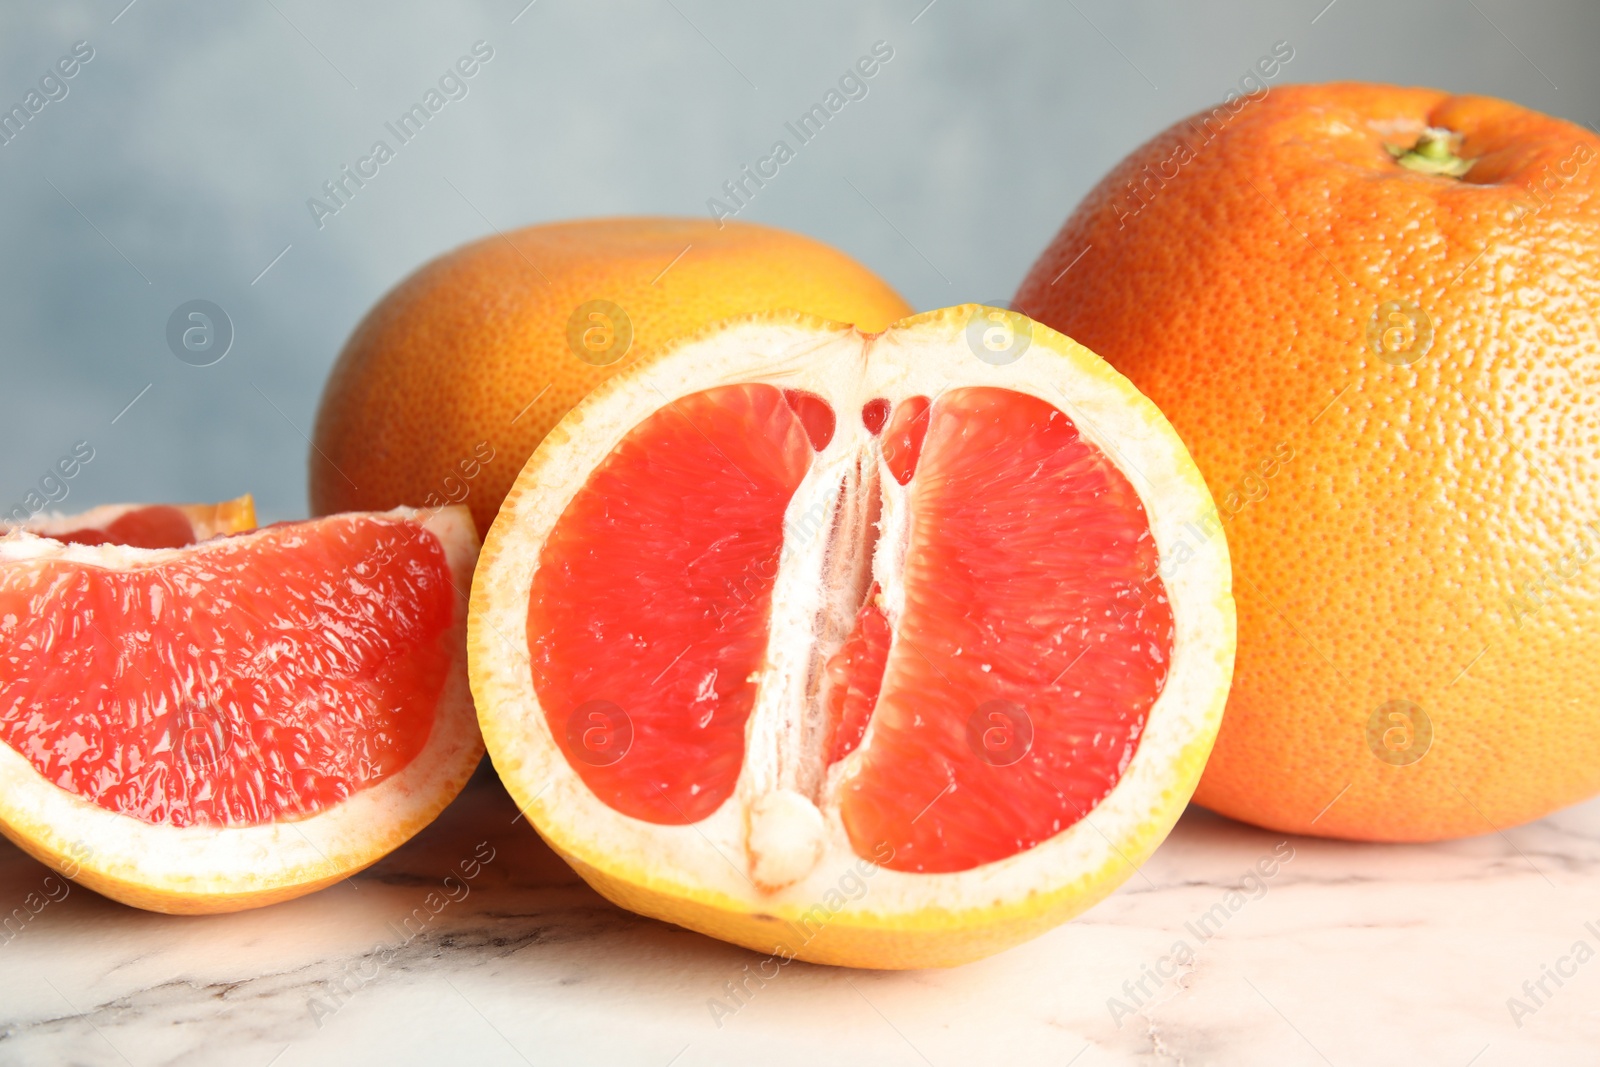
pixel 176 164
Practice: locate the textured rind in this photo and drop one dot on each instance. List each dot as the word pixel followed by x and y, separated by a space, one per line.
pixel 904 920
pixel 1393 557
pixel 206 869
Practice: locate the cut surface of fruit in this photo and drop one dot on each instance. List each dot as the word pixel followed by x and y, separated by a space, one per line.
pixel 654 592
pixel 791 601
pixel 147 525
pixel 1033 639
pixel 653 599
pixel 224 724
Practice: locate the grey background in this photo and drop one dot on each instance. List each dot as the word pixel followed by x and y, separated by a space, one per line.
pixel 180 163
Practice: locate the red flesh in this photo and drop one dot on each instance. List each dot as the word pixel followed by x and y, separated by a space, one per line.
pixel 1005 704
pixel 257 679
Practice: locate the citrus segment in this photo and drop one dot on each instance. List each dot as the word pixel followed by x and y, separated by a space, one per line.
pixel 652 599
pixel 1020 678
pixel 814 414
pixel 874 413
pixel 232 687
pixel 902 441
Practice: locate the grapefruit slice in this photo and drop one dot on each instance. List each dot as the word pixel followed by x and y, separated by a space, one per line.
pixel 231 723
pixel 147 525
pixel 887 650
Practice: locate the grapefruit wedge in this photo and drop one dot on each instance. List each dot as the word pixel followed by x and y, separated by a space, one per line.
pixel 147 525
pixel 866 649
pixel 234 722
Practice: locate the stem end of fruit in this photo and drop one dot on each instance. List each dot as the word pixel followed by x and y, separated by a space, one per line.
pixel 1435 152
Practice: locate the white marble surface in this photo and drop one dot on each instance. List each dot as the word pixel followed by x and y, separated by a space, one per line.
pixel 1347 954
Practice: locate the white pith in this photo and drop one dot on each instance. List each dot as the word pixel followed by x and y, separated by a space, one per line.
pixel 713 858
pixel 239 861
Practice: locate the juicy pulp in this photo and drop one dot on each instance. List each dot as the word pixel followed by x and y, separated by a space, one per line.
pixel 251 679
pixel 993 703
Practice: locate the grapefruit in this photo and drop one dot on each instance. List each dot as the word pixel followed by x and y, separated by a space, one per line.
pixel 147 525
pixel 1371 312
pixel 450 381
pixel 235 722
pixel 859 648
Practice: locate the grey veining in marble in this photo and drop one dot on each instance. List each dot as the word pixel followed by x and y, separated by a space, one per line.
pixel 474 943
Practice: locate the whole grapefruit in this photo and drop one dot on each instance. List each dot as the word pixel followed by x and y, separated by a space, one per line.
pixel 1371 313
pixel 446 386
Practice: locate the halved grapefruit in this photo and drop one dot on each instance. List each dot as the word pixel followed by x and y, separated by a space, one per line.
pixel 887 650
pixel 239 721
pixel 146 525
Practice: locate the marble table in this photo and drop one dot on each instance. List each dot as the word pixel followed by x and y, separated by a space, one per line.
pixel 1342 954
